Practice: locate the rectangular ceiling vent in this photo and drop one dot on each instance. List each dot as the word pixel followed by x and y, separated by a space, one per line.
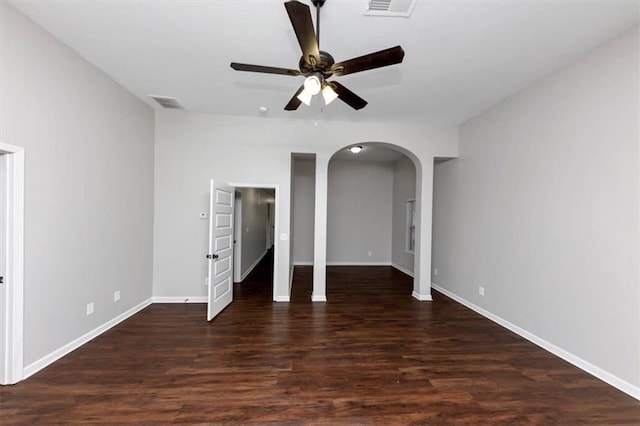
pixel 401 8
pixel 167 102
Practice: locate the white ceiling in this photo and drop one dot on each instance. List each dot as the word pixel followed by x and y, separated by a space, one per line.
pixel 462 56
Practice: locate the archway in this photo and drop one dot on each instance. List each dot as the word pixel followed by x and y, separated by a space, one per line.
pixel 423 207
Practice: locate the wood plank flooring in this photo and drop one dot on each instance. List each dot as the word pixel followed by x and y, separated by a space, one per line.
pixel 371 355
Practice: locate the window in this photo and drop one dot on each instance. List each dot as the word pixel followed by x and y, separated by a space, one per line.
pixel 411 226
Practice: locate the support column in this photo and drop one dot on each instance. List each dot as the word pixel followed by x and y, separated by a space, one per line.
pixel 320 231
pixel 424 212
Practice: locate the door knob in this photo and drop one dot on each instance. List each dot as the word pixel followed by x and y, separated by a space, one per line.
pixel 212 256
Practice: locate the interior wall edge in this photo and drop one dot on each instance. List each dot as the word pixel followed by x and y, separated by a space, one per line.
pixel 246 273
pixel 605 376
pixel 54 356
pixel 403 270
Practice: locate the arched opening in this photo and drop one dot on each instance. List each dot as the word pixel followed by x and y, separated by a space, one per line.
pixel 371 217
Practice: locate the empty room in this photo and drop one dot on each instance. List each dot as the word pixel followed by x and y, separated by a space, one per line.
pixel 320 212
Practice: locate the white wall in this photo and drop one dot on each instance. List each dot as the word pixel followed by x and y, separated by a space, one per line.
pixel 89 186
pixel 193 148
pixel 404 188
pixel 304 183
pixel 541 209
pixel 254 228
pixel 359 213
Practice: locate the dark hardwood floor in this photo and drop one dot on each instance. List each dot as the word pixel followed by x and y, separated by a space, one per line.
pixel 371 355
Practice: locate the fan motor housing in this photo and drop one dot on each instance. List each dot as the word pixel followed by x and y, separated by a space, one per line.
pixel 323 66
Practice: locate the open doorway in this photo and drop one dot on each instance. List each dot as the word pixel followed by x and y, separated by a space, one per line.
pixel 254 228
pixel 369 225
pixel 303 184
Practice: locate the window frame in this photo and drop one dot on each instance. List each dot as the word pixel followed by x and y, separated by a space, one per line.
pixel 410 226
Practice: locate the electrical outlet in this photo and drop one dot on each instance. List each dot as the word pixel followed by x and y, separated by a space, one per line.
pixel 116 295
pixel 435 272
pixel 206 280
pixel 481 291
pixel 89 308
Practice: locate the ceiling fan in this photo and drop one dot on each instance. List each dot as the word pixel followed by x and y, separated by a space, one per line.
pixel 318 66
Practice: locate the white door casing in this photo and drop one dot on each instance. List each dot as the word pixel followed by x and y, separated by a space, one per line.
pixel 237 238
pixel 11 369
pixel 3 273
pixel 270 224
pixel 220 256
pixel 266 227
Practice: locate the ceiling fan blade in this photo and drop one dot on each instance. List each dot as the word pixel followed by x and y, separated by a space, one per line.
pixel 383 58
pixel 300 17
pixel 347 96
pixel 294 103
pixel 260 68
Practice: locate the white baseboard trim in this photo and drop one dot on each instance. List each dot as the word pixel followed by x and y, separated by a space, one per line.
pixel 320 298
pixel 253 265
pixel 302 263
pixel 598 372
pixel 282 299
pixel 180 299
pixel 358 263
pixel 403 270
pixel 43 362
pixel 422 297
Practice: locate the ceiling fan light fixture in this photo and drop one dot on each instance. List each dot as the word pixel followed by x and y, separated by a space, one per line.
pixel 312 84
pixel 355 149
pixel 329 94
pixel 316 65
pixel 305 97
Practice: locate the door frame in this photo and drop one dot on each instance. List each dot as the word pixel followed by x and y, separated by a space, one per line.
pixel 270 224
pixel 12 370
pixel 276 240
pixel 237 237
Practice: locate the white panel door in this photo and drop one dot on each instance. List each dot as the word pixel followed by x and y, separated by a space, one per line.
pixel 220 256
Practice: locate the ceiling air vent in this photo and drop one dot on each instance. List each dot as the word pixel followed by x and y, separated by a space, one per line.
pixel 167 102
pixel 390 8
